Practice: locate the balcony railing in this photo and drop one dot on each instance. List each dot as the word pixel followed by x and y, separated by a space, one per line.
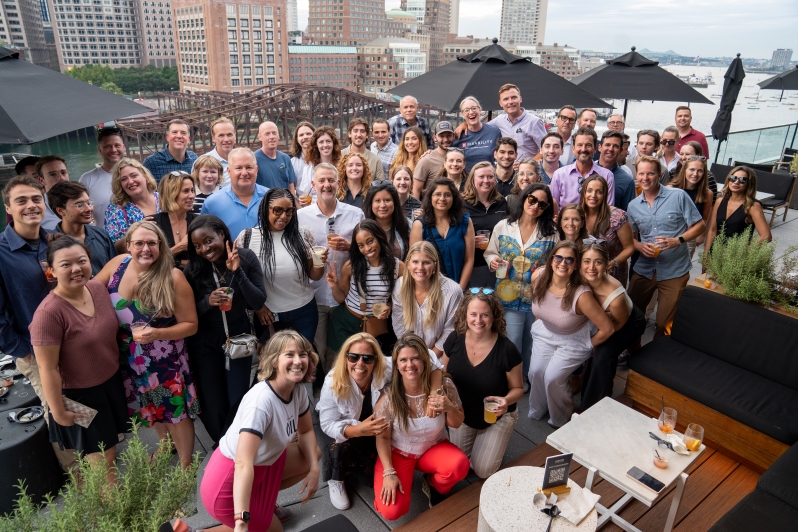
pixel 761 146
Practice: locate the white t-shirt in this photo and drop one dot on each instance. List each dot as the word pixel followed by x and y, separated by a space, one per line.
pixel 98 181
pixel 285 289
pixel 265 414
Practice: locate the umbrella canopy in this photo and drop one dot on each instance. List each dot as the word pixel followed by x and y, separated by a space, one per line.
pixel 483 72
pixel 37 103
pixel 732 83
pixel 786 81
pixel 635 77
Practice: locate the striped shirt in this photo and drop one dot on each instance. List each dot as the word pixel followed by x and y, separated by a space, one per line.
pixel 374 289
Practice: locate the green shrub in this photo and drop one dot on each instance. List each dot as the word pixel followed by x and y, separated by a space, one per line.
pixel 149 493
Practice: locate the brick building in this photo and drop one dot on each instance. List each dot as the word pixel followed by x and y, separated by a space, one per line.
pixel 324 66
pixel 385 63
pixel 350 22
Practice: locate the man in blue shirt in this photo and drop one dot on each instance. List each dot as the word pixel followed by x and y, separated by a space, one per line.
pixel 665 219
pixel 237 204
pixel 609 150
pixel 479 139
pixel 176 155
pixel 274 167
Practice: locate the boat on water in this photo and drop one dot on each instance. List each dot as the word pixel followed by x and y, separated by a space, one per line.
pixel 7 163
pixel 697 81
pixel 753 107
pixel 787 103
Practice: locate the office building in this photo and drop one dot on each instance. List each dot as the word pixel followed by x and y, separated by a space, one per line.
pixel 385 63
pixel 523 21
pixel 433 19
pixel 324 66
pixel 21 28
pixel 781 59
pixel 292 16
pixel 250 50
pixel 454 17
pixel 350 22
pixel 156 30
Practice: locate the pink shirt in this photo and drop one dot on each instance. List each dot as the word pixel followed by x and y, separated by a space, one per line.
pixel 557 320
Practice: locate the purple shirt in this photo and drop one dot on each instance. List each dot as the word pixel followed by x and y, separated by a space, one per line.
pixel 528 131
pixel 566 183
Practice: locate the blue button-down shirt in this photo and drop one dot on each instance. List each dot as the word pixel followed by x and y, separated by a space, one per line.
pixel 546 177
pixel 566 183
pixel 22 287
pixel 237 216
pixel 161 163
pixel 624 186
pixel 386 154
pixel 399 125
pixel 672 213
pixel 528 131
pixel 99 243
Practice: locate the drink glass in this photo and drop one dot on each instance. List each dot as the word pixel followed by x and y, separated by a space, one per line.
pixel 379 306
pixel 483 238
pixel 227 303
pixel 693 436
pixel 662 455
pixel 490 409
pixel 304 198
pixel 667 420
pixel 136 328
pixel 317 252
pixel 501 271
pixel 48 272
pixel 331 234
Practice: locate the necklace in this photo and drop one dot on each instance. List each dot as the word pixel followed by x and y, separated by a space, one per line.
pixel 475 346
pixel 220 275
pixel 83 294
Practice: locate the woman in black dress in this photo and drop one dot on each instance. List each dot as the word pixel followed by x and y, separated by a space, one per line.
pixel 738 208
pixel 176 192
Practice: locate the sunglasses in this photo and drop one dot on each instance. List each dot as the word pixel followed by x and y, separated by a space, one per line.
pixel 738 179
pixel 569 261
pixel 696 158
pixel 455 149
pixel 668 142
pixel 486 291
pixel 178 173
pixel 367 359
pixel 387 182
pixel 542 205
pixel 279 211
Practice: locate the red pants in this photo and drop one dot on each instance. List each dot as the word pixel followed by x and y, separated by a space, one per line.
pixel 447 463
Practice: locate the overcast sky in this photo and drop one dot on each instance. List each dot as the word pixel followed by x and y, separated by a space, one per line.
pixel 708 28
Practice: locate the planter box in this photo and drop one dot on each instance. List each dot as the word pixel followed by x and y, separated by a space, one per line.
pixel 701 280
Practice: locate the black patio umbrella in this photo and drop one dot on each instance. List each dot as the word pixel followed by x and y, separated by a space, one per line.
pixel 786 81
pixel 635 77
pixel 483 72
pixel 37 103
pixel 732 83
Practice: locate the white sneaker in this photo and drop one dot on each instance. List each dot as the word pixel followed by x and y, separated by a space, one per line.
pixel 338 496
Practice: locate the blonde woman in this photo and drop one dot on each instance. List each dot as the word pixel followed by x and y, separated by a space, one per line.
pixel 257 457
pixel 208 176
pixel 424 300
pixel 176 193
pixel 355 179
pixel 146 288
pixel 346 412
pixel 411 147
pixel 133 197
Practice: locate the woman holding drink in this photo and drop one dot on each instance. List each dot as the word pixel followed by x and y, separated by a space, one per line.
pixel 226 280
pixel 364 288
pixel 424 301
pixel 153 297
pixel 518 246
pixel 693 179
pixel 487 207
pixel 382 205
pixel 486 368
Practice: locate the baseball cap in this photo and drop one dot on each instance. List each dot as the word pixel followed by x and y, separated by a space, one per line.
pixel 443 126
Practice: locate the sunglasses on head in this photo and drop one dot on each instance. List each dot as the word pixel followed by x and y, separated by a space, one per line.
pixel 696 158
pixel 178 173
pixel 354 357
pixel 568 260
pixel 486 291
pixel 738 179
pixel 455 149
pixel 382 182
pixel 542 205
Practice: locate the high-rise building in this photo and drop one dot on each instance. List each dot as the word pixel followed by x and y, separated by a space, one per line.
pixel 324 66
pixel 433 20
pixel 97 33
pixel 21 28
pixel 249 50
pixel 156 33
pixel 385 63
pixel 454 17
pixel 350 22
pixel 523 21
pixel 45 11
pixel 781 59
pixel 291 15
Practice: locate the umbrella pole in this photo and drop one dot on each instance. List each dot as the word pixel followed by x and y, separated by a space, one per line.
pixel 782 95
pixel 625 104
pixel 717 150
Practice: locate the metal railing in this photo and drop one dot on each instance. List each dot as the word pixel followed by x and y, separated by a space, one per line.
pixel 761 146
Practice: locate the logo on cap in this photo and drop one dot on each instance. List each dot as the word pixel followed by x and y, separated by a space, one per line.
pixel 443 126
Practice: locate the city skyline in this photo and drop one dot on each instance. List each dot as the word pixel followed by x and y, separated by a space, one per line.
pixel 623 27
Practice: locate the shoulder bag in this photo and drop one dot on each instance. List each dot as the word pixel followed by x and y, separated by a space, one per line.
pixel 239 346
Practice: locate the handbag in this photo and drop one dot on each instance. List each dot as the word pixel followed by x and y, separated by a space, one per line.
pixel 239 346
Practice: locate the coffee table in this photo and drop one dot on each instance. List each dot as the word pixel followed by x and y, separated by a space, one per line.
pixel 609 439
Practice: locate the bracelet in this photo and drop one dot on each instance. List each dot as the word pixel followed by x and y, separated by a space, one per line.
pixel 389 474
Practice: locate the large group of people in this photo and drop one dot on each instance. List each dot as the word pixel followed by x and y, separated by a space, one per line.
pixel 416 279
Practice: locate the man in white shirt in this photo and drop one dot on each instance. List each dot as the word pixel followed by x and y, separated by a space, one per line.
pixel 112 148
pixel 328 214
pixel 566 120
pixel 223 134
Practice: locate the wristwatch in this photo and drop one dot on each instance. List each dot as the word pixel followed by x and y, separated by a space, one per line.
pixel 242 516
pixel 681 239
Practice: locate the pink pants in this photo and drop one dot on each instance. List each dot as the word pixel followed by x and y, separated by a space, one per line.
pixel 216 491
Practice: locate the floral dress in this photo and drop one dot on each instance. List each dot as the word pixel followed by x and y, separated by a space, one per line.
pixel 618 218
pixel 119 217
pixel 158 384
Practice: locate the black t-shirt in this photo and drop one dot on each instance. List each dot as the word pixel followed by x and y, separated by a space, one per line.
pixel 489 377
pixel 485 219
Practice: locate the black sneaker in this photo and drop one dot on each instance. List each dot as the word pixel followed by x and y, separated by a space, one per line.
pixel 432 494
pixel 623 358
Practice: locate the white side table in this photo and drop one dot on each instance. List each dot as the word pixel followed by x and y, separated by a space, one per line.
pixel 505 504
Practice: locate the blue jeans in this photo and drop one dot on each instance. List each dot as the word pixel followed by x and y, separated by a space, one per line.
pixel 303 320
pixel 519 331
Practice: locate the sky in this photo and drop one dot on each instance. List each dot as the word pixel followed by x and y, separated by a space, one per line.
pixel 709 28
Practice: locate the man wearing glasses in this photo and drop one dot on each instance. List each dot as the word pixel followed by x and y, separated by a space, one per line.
pixel 616 122
pixel 71 203
pixel 566 120
pixel 98 181
pixel 526 129
pixel 684 117
pixel 566 183
pixel 428 168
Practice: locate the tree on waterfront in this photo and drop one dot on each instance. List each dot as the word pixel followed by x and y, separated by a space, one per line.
pixel 128 80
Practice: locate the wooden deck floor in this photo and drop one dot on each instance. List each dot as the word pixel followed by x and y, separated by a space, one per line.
pixel 715 485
